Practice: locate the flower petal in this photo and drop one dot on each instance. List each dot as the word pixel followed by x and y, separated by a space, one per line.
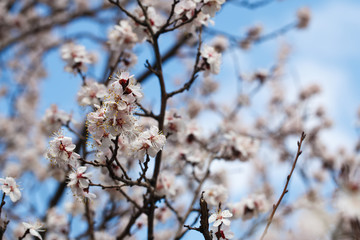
pixel 212 218
pixel 226 214
pixel 35 233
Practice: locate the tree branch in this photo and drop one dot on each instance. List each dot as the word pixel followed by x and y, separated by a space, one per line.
pixel 275 206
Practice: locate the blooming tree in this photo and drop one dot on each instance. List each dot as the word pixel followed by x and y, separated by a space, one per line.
pixel 127 169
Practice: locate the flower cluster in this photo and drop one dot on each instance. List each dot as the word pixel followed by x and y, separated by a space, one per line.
pixel 61 151
pixel 120 151
pixel 115 119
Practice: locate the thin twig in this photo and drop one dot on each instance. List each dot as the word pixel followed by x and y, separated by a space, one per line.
pixel 24 235
pixel 2 203
pixel 117 3
pixel 204 219
pixel 275 206
pixel 196 69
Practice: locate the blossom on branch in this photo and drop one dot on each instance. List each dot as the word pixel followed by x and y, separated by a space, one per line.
pixel 211 6
pixel 75 57
pixel 79 178
pixel 53 119
pixel 210 60
pixel 61 151
pixel 220 217
pixel 34 229
pixel 10 188
pixel 149 142
pixel 222 232
pixel 91 93
pixel 122 37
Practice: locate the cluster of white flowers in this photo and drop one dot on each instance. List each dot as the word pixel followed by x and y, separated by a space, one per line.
pixel 127 33
pixel 205 10
pixel 61 151
pixel 115 119
pixel 75 57
pixel 10 188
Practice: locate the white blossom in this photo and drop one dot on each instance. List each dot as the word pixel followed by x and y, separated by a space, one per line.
pixel 149 142
pixel 216 194
pixel 91 93
pixel 10 188
pixel 211 60
pixel 75 56
pixel 122 37
pixel 34 229
pixel 79 178
pixel 220 218
pixel 61 150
